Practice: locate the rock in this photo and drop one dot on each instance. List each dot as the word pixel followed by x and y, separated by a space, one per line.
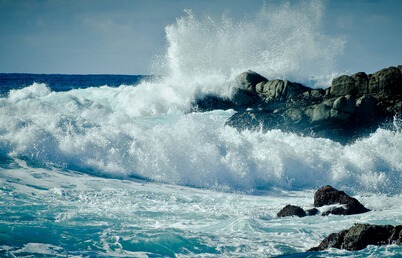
pixel 343 85
pixel 360 236
pixel 366 109
pixel 322 112
pixel 328 196
pixel 242 98
pixel 355 85
pixel 312 212
pixel 291 210
pixel 334 240
pixel 278 90
pixel 386 82
pixel 210 102
pixel 345 104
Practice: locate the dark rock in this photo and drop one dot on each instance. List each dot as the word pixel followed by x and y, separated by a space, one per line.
pixel 386 82
pixel 360 236
pixel 210 102
pixel 312 212
pixel 328 196
pixel 243 97
pixel 367 111
pixel 355 85
pixel 343 85
pixel 291 210
pixel 334 240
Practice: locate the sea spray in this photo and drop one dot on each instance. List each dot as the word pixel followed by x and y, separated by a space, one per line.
pixel 284 42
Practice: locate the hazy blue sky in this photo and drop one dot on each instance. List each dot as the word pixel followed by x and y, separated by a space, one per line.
pixel 121 36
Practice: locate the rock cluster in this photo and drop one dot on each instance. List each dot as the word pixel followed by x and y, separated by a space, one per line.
pixel 357 237
pixel 352 107
pixel 360 236
pixel 327 196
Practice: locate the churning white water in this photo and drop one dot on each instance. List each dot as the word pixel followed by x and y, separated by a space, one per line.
pixel 128 171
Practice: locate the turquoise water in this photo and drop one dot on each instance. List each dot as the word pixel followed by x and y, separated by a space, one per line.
pixel 49 212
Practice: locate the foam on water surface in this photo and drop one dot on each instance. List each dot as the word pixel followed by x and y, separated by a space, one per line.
pixel 60 212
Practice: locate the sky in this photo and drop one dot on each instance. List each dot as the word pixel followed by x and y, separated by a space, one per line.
pixel 123 36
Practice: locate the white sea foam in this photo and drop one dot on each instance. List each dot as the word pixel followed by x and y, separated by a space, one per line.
pixel 95 130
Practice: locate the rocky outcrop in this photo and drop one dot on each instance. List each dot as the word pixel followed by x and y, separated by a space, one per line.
pixel 328 195
pixel 360 236
pixel 353 107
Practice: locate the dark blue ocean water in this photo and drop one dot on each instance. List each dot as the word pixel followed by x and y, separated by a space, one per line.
pixel 64 82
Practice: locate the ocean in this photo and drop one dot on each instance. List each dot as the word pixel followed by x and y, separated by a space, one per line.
pixel 124 165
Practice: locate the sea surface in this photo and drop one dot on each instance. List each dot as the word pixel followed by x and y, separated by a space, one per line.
pixel 122 165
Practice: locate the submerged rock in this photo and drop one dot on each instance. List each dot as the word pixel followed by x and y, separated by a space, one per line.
pixel 360 236
pixel 328 195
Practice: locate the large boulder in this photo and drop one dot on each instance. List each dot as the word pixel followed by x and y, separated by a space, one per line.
pixel 360 236
pixel 328 196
